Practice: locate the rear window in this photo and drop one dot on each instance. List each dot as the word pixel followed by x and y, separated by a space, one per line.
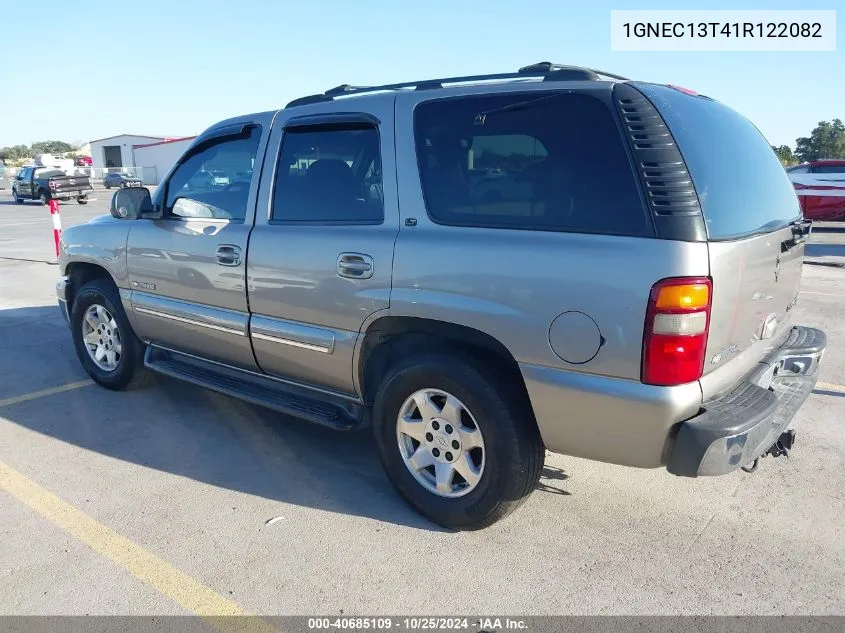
pixel 741 185
pixel 538 161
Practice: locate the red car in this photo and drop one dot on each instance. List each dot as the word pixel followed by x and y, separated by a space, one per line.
pixel 84 161
pixel 820 186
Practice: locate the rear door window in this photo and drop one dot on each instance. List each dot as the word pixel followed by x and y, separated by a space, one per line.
pixel 537 161
pixel 742 187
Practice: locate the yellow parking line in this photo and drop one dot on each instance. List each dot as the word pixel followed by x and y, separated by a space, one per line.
pixel 45 392
pixel 827 386
pixel 191 594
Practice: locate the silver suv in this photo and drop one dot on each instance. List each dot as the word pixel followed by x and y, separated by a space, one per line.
pixel 480 269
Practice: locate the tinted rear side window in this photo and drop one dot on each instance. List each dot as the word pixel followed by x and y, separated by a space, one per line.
pixel 829 169
pixel 552 162
pixel 741 184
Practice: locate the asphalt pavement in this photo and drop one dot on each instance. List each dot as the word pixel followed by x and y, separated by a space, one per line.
pixel 176 500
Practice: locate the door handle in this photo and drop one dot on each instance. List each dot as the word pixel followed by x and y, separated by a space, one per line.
pixel 228 255
pixel 355 266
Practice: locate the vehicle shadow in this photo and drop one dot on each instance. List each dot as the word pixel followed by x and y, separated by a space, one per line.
pixel 177 428
pixel 828 392
pixel 551 473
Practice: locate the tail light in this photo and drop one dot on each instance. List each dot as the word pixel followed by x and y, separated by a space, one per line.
pixel 676 326
pixel 52 184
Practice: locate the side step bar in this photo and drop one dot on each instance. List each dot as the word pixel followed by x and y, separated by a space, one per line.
pixel 333 411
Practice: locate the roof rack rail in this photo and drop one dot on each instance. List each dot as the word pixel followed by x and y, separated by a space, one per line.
pixel 552 69
pixel 547 70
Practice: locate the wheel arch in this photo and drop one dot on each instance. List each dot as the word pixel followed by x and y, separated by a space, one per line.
pixel 80 273
pixel 390 339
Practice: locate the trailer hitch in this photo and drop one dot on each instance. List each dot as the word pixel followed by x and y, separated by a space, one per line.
pixel 780 448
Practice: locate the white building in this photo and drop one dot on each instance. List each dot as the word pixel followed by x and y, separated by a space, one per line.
pixel 156 159
pixel 116 151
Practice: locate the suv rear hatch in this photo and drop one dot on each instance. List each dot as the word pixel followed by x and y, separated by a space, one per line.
pixel 754 228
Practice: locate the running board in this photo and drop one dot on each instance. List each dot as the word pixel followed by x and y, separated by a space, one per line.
pixel 320 408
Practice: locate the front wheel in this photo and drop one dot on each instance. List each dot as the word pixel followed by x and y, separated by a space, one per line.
pixel 104 341
pixel 17 198
pixel 457 442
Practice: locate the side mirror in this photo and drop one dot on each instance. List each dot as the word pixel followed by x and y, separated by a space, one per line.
pixel 131 203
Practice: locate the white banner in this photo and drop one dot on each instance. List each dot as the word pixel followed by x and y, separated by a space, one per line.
pixel 722 30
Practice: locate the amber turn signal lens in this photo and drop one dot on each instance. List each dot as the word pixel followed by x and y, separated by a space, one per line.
pixel 683 297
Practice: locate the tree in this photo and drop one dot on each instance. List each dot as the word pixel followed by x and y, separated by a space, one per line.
pixel 827 140
pixel 785 154
pixel 15 152
pixel 51 147
pixel 23 153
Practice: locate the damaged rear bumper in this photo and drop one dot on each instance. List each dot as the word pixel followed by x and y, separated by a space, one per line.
pixel 738 427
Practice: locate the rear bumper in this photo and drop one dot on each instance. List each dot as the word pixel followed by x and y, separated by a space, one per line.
pixel 736 428
pixel 67 195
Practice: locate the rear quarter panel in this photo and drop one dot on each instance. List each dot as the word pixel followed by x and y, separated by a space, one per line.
pixel 513 284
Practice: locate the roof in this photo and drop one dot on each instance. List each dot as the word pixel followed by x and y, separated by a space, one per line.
pixel 166 141
pixel 97 140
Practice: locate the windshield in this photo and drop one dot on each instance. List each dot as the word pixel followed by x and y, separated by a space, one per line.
pixel 742 186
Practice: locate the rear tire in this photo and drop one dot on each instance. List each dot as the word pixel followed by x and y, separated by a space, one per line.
pixel 97 317
pixel 501 476
pixel 43 198
pixel 82 200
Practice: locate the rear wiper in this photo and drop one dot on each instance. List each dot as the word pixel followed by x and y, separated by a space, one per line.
pixel 481 117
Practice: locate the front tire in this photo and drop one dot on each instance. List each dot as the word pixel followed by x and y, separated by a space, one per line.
pixel 456 440
pixel 104 341
pixel 18 199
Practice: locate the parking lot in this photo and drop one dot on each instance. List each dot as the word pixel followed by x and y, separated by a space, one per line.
pixel 175 500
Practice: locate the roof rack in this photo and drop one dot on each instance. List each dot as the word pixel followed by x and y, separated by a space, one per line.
pixel 547 70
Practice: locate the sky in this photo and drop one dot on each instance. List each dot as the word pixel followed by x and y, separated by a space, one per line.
pixel 172 68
